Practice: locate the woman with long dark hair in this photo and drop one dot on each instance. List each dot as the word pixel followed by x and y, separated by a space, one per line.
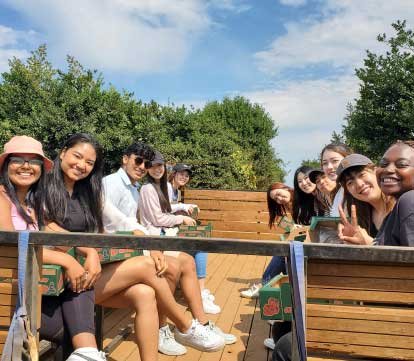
pixel 23 168
pixel 156 216
pixel 363 198
pixel 177 181
pixel 395 176
pixel 308 201
pixel 75 187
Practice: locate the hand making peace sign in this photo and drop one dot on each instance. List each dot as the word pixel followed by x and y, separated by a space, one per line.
pixel 351 232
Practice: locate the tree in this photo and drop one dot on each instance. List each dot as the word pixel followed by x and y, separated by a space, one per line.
pixel 228 142
pixel 313 163
pixel 384 111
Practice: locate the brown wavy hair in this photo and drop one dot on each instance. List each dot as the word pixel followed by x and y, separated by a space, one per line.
pixel 277 210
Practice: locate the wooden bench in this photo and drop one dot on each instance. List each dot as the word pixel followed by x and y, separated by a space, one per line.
pixel 234 214
pixel 9 288
pixel 398 258
pixel 369 310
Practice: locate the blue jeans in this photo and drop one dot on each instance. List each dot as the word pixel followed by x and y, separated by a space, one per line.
pixel 276 266
pixel 201 263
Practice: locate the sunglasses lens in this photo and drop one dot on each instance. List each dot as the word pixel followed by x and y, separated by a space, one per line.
pixel 139 161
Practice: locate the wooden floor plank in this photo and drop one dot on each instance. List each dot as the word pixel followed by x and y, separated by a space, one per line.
pixel 227 275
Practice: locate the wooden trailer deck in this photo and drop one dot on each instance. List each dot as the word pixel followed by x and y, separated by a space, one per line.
pixel 227 275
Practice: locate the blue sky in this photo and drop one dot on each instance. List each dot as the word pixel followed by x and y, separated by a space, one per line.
pixel 294 57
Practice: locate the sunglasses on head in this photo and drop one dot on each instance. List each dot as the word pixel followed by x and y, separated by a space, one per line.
pixel 140 160
pixel 21 161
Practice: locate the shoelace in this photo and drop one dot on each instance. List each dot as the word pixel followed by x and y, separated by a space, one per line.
pixel 167 333
pixel 200 331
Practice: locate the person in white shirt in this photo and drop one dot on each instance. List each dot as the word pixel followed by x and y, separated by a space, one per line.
pixel 121 190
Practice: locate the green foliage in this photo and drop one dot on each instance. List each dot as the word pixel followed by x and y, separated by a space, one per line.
pixel 313 163
pixel 227 142
pixel 384 111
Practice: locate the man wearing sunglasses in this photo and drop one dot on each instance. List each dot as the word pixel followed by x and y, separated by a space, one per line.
pixel 122 188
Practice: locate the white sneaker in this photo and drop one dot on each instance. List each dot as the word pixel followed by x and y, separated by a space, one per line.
pixel 271 322
pixel 87 354
pixel 206 293
pixel 252 292
pixel 200 337
pixel 167 344
pixel 229 339
pixel 269 343
pixel 208 304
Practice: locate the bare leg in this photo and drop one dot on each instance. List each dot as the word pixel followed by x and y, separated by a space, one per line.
pixel 172 276
pixel 83 339
pixel 119 276
pixel 190 286
pixel 202 283
pixel 140 298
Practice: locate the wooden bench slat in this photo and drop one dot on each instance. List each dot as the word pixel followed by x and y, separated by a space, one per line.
pixel 8 262
pixel 246 235
pixel 7 300
pixel 9 288
pixel 391 314
pixel 9 251
pixel 235 215
pixel 367 351
pixel 360 295
pixel 360 338
pixel 359 270
pixel 8 273
pixel 227 205
pixel 224 195
pixel 374 284
pixel 363 326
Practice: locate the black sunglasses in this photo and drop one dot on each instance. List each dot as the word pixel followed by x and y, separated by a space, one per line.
pixel 21 161
pixel 140 160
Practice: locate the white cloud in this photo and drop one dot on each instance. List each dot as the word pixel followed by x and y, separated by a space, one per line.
pixel 331 42
pixel 307 112
pixel 235 6
pixel 121 35
pixel 10 41
pixel 293 2
pixel 347 28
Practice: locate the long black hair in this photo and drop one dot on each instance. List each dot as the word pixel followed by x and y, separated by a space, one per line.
pixel 33 198
pixel 306 205
pixel 89 189
pixel 162 190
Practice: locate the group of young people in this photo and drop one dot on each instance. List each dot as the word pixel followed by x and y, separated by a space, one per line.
pixel 70 194
pixel 375 203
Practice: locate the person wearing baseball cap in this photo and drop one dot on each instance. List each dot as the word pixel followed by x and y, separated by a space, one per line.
pixel 324 184
pixel 364 201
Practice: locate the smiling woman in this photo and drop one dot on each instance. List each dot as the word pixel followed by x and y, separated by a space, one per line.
pixel 395 176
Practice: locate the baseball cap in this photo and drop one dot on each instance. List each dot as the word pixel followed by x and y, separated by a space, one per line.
pixel 179 167
pixel 314 173
pixel 352 160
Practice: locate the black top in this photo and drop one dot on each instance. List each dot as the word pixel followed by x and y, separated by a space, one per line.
pixel 398 227
pixel 75 217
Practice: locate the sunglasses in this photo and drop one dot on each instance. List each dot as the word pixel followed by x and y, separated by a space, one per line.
pixel 140 160
pixel 21 161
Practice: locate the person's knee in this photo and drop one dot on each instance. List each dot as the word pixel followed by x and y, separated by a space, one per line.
pixel 141 296
pixel 187 262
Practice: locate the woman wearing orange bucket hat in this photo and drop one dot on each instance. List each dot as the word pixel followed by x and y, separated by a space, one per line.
pixel 23 166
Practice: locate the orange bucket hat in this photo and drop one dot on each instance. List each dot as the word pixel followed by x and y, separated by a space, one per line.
pixel 25 144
